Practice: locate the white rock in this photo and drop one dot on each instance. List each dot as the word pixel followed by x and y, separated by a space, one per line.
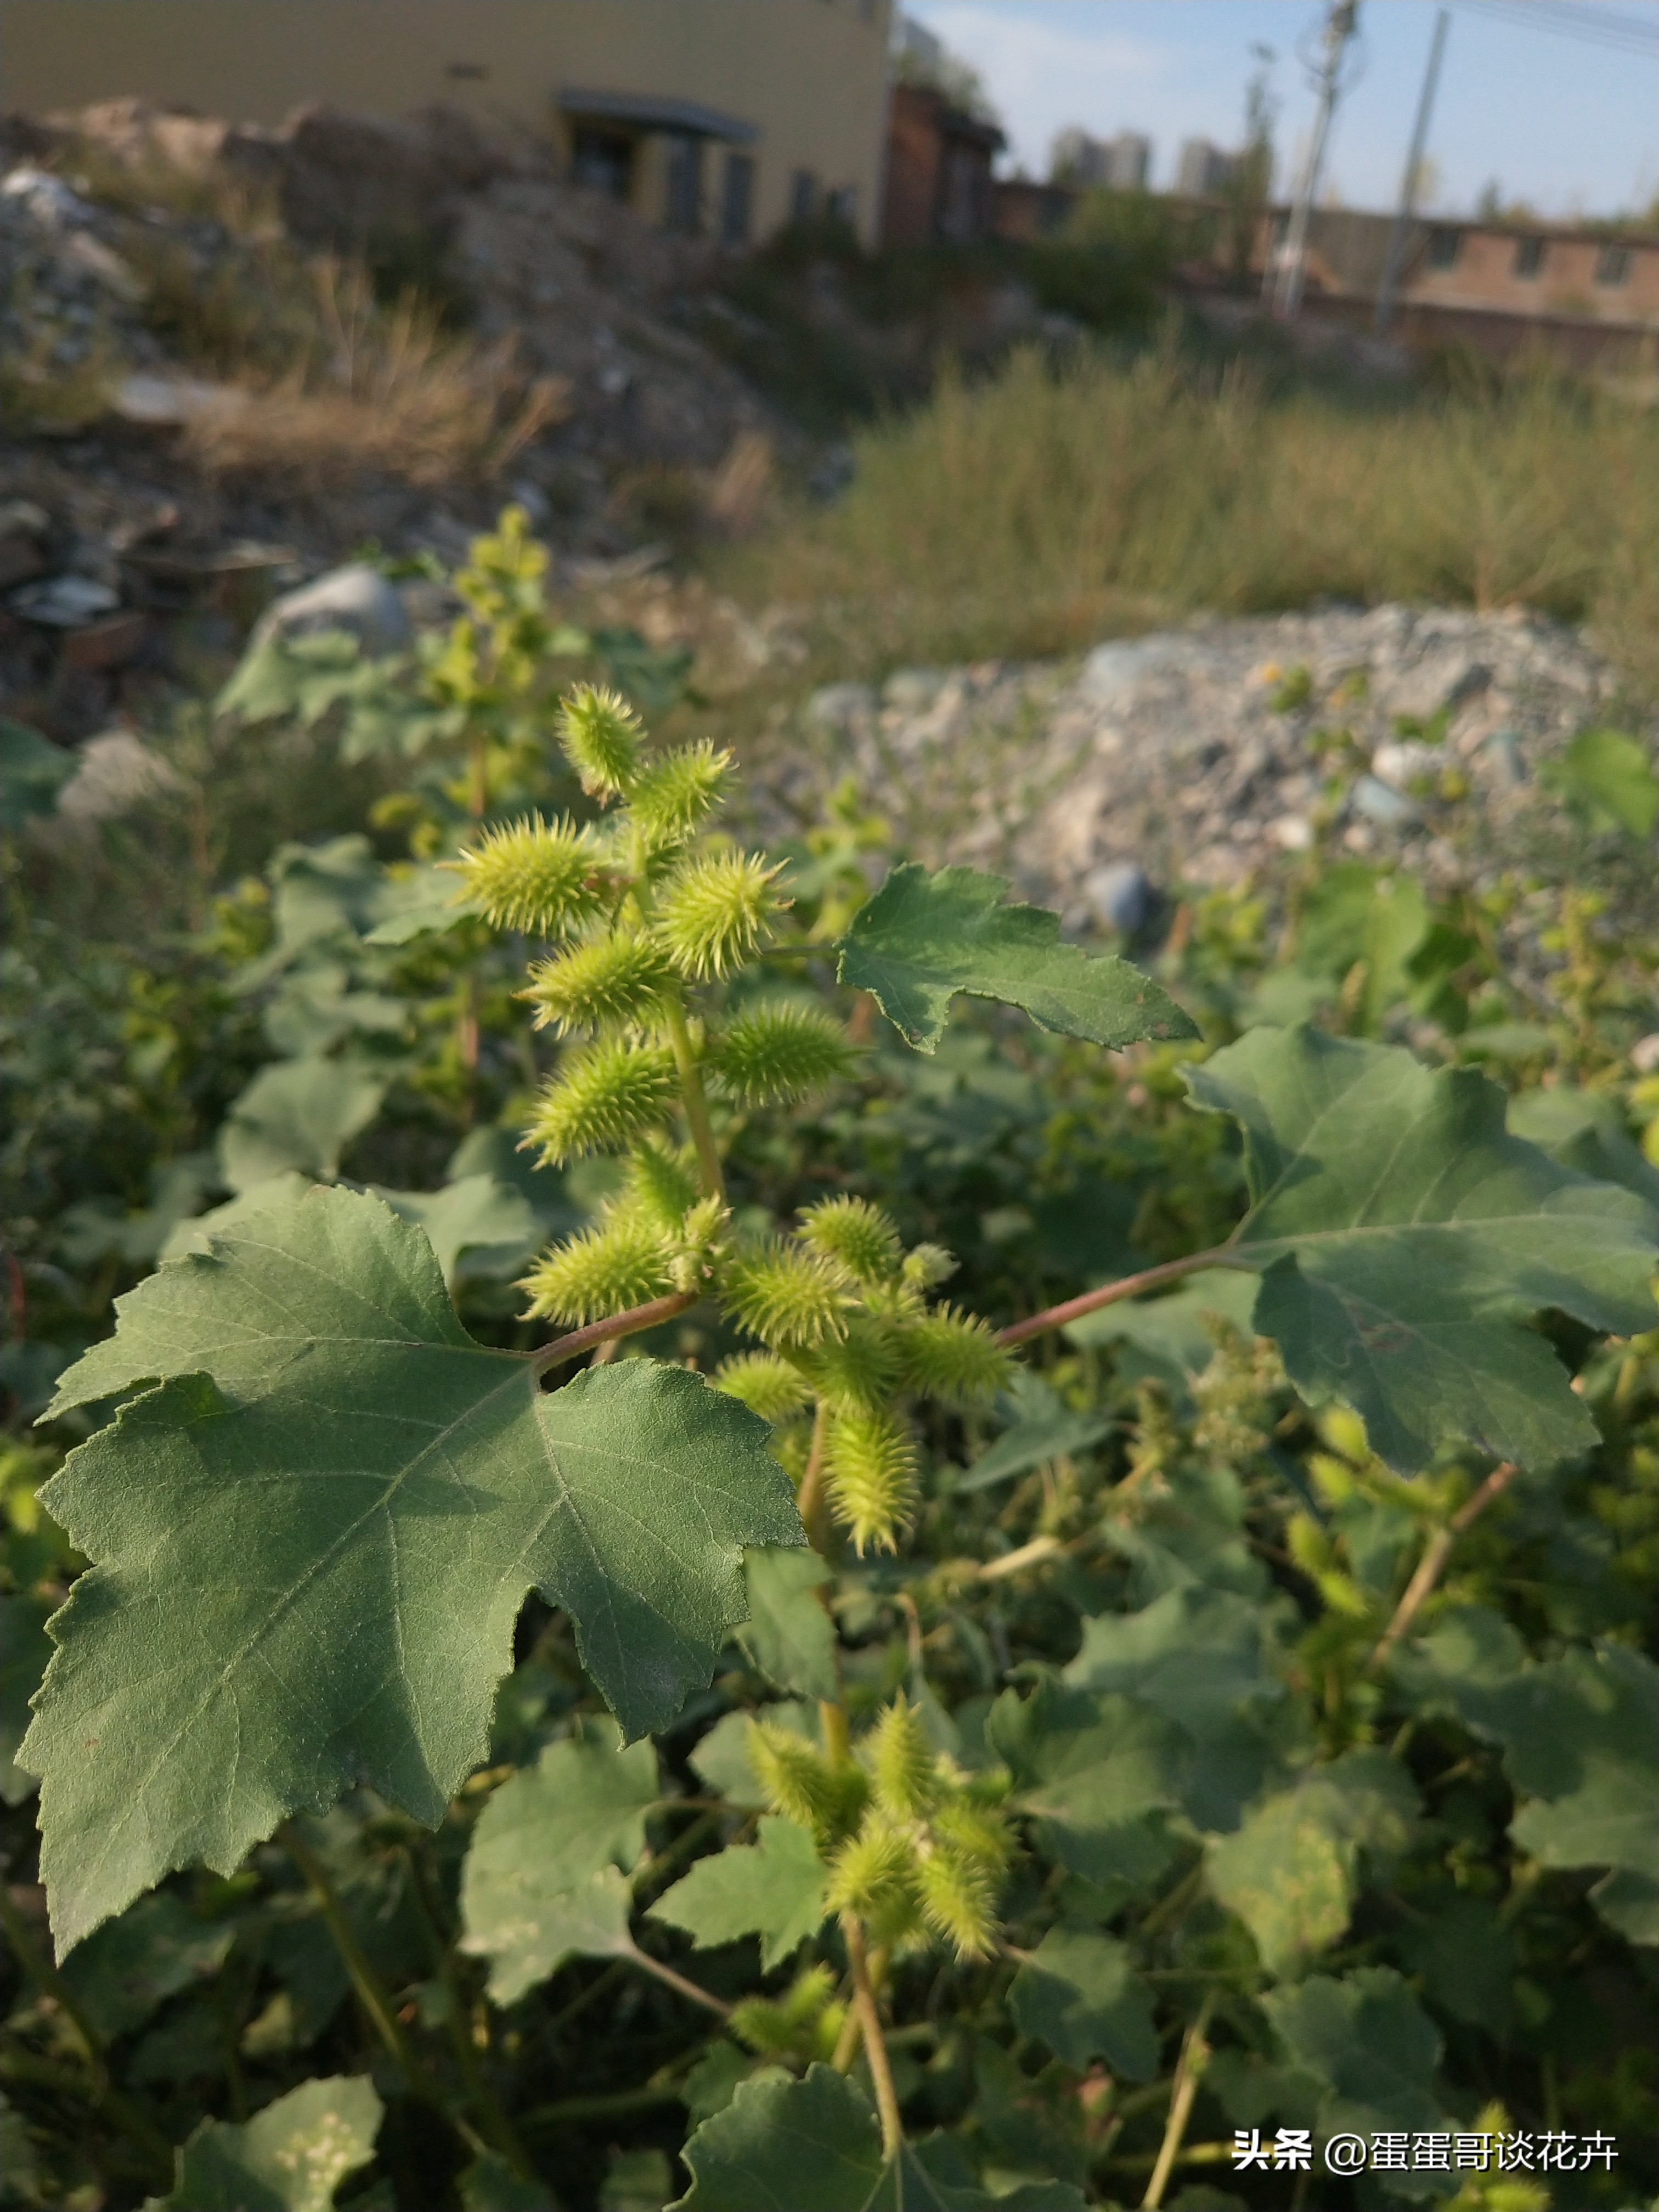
pixel 115 773
pixel 162 401
pixel 1291 833
pixel 840 705
pixel 1113 673
pixel 355 598
pixel 1401 760
pixel 64 602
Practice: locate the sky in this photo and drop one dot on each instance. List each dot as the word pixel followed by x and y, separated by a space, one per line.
pixel 1566 123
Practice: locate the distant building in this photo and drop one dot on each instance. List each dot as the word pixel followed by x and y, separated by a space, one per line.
pixel 1585 294
pixel 726 117
pixel 939 171
pixel 1022 209
pixel 1202 170
pixel 1120 164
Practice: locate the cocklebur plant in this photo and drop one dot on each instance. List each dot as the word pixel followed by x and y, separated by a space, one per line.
pixel 358 1497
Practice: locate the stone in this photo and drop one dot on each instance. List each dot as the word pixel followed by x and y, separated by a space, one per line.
pixel 1113 673
pixel 913 690
pixel 1121 896
pixel 1402 761
pixel 1380 803
pixel 168 402
pixel 115 774
pixel 843 707
pixel 355 598
pixel 1291 833
pixel 1441 679
pixel 64 602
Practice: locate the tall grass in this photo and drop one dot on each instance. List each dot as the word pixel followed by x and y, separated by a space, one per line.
pixel 1040 510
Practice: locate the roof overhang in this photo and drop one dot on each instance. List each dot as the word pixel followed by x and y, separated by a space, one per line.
pixel 688 118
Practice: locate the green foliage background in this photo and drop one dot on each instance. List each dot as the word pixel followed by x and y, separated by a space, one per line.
pixel 1303 1833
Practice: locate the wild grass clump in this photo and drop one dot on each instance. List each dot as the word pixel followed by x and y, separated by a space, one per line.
pixel 377 388
pixel 1044 507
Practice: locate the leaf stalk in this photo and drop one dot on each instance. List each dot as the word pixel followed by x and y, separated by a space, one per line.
pixel 1189 2069
pixel 1127 1286
pixel 875 2049
pixel 1432 1565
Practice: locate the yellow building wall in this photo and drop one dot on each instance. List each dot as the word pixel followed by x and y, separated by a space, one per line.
pixel 810 74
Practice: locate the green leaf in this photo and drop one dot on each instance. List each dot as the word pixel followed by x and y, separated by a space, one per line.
pixel 922 938
pixel 1355 914
pixel 1088 1770
pixel 774 1889
pixel 1289 1872
pixel 1407 1240
pixel 131 1965
pixel 289 2157
pixel 1196 1653
pixel 1585 1131
pixel 475 1214
pixel 1607 779
pixel 1046 1429
pixel 1080 1994
pixel 300 1114
pixel 1466 1955
pixel 1370 2044
pixel 788 1634
pixel 25 1648
pixel 813 2146
pixel 428 901
pixel 490 2184
pixel 32 771
pixel 545 1875
pixel 357 1497
pixel 1580 1736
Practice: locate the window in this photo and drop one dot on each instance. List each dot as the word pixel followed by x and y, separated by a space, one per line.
pixel 1613 265
pixel 602 160
pixel 803 196
pixel 684 209
pixel 1529 256
pixel 1444 247
pixel 738 199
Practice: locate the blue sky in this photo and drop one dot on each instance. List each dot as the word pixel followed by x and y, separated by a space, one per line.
pixel 1572 127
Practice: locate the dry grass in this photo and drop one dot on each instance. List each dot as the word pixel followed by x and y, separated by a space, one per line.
pixel 1038 511
pixel 377 389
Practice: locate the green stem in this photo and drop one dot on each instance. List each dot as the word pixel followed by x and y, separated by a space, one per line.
pixel 612 2105
pixel 1128 1287
pixel 1432 1565
pixel 129 2117
pixel 615 1325
pixel 1194 2052
pixel 809 1498
pixel 372 1992
pixel 692 1097
pixel 677 1982
pixel 494 2122
pixel 875 2050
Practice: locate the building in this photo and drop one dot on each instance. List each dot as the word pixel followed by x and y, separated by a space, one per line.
pixel 939 187
pixel 1202 170
pixel 1120 164
pixel 1022 210
pixel 1582 294
pixel 726 117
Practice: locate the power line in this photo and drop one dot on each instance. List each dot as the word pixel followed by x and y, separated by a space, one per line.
pixel 1606 28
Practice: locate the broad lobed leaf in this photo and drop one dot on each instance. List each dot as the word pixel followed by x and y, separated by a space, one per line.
pixel 922 938
pixel 1407 1240
pixel 313 1536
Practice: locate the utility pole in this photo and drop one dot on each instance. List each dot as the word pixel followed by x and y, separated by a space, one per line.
pixel 1386 289
pixel 1286 268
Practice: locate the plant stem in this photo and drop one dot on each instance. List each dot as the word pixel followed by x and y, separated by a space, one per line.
pixel 607 2105
pixel 864 2003
pixel 673 1981
pixel 1128 1287
pixel 1028 1555
pixel 1432 1565
pixel 492 2114
pixel 614 1325
pixel 693 1099
pixel 372 1992
pixel 1188 2069
pixel 129 2117
pixel 809 1498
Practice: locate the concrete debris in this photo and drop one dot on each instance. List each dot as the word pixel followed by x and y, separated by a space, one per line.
pixel 1193 757
pixel 115 773
pixel 64 602
pixel 356 597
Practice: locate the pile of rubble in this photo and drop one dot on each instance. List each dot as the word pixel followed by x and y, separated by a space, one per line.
pixel 1195 757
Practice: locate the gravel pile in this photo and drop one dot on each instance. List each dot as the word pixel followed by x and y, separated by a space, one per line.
pixel 1195 757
